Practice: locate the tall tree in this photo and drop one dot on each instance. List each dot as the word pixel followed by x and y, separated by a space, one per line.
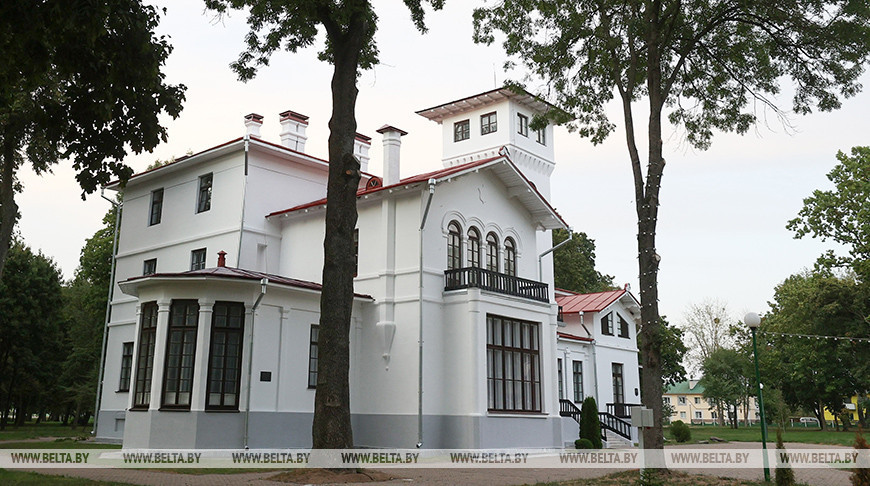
pixel 30 339
pixel 574 264
pixel 350 27
pixel 726 380
pixel 706 327
pixel 842 214
pixel 706 65
pixel 81 82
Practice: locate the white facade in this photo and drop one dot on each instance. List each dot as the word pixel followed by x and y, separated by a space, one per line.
pixel 209 385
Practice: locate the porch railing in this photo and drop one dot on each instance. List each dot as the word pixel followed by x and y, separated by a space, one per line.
pixel 474 277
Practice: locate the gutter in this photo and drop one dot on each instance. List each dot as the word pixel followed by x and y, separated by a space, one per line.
pixel 101 376
pixel 263 284
pixel 420 338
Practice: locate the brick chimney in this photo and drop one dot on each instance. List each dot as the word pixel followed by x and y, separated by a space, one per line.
pixel 253 122
pixel 293 127
pixel 361 146
pixel 392 146
pixel 222 258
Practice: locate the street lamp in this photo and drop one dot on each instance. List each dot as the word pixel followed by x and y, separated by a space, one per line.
pixel 752 321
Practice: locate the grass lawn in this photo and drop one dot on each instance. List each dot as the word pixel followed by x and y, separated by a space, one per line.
pixel 26 478
pixel 45 429
pixel 753 434
pixel 673 478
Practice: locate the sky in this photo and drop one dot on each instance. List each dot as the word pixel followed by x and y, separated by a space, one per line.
pixel 721 228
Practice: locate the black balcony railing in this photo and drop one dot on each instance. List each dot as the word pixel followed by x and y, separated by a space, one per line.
pixel 621 410
pixel 473 277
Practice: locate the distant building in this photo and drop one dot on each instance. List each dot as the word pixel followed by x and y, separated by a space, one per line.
pixel 689 405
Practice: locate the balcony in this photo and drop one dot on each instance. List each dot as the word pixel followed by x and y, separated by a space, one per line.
pixel 474 277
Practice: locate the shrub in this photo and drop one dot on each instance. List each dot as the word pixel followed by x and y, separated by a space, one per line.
pixel 590 428
pixel 680 431
pixel 784 473
pixel 583 444
pixel 861 475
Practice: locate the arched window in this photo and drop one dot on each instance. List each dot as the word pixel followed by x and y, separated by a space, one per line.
pixel 510 257
pixel 473 247
pixel 492 252
pixel 454 246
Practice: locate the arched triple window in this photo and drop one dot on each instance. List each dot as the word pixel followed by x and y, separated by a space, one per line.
pixel 473 247
pixel 492 252
pixel 454 246
pixel 510 257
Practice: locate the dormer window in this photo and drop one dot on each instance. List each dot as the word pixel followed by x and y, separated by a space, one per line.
pixel 488 123
pixel 522 124
pixel 607 324
pixel 461 130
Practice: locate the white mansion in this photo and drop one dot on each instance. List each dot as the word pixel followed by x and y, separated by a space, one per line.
pixel 457 340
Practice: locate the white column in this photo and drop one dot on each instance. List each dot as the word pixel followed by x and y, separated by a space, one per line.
pixel 159 354
pixel 200 366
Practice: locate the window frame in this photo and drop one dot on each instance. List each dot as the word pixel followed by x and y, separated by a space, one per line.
pixel 143 377
pixel 522 124
pixel 473 247
pixel 510 257
pixel 618 382
pixel 461 130
pixel 152 262
pixel 682 401
pixel 155 212
pixel 541 136
pixel 699 414
pixel 624 331
pixel 577 380
pixel 313 355
pixel 489 123
pixel 524 370
pixel 187 330
pixel 195 264
pixel 559 373
pixel 227 331
pixel 126 366
pixel 607 324
pixel 454 245
pixel 492 252
pixel 203 198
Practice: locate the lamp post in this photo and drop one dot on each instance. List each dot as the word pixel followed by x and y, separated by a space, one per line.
pixel 752 321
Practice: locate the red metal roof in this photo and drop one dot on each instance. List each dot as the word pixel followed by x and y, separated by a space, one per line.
pixel 572 304
pixel 565 335
pixel 240 273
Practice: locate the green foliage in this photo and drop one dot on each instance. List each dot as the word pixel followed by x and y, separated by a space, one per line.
pixel 784 475
pixel 816 373
pixel 590 428
pixel 31 351
pixel 841 214
pixel 680 431
pixel 85 85
pixel 574 264
pixel 727 378
pixel 582 443
pixel 860 475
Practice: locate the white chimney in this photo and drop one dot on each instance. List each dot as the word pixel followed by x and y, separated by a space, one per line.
pixel 293 127
pixel 392 144
pixel 361 146
pixel 253 122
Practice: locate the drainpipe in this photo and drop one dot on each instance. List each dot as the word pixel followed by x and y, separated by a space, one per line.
pixel 420 338
pixel 244 200
pixel 594 358
pixel 263 283
pixel 108 311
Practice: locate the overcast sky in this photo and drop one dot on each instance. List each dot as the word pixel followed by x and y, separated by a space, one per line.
pixel 721 228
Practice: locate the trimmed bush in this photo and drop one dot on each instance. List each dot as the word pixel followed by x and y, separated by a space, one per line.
pixel 583 444
pixel 680 431
pixel 590 428
pixel 860 475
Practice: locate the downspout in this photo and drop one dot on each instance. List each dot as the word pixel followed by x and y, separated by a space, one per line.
pixel 263 284
pixel 594 358
pixel 244 200
pixel 420 338
pixel 108 311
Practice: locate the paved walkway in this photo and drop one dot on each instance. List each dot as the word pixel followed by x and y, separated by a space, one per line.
pixel 449 477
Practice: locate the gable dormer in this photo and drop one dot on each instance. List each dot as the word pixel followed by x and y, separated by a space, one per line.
pixel 479 126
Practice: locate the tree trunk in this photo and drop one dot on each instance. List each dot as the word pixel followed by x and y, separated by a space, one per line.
pixel 859 407
pixel 820 414
pixel 8 208
pixel 331 428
